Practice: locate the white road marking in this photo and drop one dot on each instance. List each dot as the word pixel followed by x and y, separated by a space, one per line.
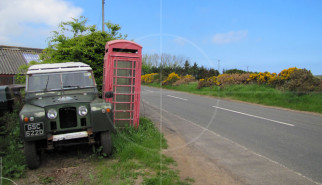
pixel 178 98
pixel 288 124
pixel 148 90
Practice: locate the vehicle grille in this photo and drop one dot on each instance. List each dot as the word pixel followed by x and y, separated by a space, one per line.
pixel 68 117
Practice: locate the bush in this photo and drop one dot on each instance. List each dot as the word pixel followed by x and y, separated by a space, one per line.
pixel 286 73
pixel 301 81
pixel 263 78
pixel 11 145
pixel 149 78
pixel 185 80
pixel 172 77
pixel 230 79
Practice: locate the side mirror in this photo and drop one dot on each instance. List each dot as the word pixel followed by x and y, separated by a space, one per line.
pixel 109 94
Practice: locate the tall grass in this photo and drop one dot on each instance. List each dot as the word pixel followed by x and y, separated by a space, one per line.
pixel 260 94
pixel 137 155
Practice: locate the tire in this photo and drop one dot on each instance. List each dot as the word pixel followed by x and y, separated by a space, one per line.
pixel 106 143
pixel 32 157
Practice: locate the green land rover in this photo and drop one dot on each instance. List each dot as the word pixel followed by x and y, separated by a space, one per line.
pixel 62 108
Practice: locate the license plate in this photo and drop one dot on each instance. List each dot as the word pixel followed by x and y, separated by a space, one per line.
pixel 34 129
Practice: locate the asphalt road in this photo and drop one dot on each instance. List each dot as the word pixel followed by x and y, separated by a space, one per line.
pixel 291 139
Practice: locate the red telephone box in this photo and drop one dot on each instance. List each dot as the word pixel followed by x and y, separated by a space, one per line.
pixel 122 75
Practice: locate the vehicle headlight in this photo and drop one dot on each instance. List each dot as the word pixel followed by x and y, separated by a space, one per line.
pixel 82 111
pixel 52 114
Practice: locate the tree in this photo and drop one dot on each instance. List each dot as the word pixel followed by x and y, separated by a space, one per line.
pixel 77 42
pixel 186 67
pixel 194 70
pixel 234 71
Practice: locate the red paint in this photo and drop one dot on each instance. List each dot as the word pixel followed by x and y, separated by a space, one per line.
pixel 122 64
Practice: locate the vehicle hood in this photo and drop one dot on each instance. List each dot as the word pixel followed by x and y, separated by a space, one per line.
pixel 55 100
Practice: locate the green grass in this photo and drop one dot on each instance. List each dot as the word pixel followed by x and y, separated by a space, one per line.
pixel 137 155
pixel 259 94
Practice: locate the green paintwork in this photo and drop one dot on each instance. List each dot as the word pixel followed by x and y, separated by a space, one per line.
pixel 38 103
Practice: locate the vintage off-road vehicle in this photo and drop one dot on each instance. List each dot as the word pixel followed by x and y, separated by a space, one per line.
pixel 62 108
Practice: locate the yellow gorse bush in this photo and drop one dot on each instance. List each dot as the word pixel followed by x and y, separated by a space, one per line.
pixel 172 77
pixel 189 77
pixel 184 80
pixel 148 78
pixel 263 77
pixel 286 73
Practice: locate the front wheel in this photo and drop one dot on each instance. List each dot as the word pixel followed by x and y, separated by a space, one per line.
pixel 106 143
pixel 32 157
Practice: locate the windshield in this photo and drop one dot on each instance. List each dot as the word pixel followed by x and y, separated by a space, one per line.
pixel 59 81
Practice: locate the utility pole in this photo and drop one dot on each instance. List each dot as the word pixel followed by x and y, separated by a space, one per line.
pixel 103 2
pixel 219 66
pixel 247 68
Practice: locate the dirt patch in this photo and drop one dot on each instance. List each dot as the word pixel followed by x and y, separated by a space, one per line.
pixel 68 166
pixel 195 165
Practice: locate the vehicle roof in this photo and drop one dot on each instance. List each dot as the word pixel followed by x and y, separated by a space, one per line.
pixel 58 67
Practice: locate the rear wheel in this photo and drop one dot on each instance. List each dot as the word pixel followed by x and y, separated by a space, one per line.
pixel 106 143
pixel 32 157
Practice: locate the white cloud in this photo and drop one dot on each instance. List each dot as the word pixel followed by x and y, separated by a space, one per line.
pixel 19 17
pixel 233 36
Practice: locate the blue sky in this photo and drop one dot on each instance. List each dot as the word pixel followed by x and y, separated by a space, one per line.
pixel 262 35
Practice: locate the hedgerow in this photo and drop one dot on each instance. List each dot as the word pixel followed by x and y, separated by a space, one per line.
pixel 299 81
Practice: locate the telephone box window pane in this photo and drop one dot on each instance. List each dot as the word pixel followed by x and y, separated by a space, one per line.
pixel 124 72
pixel 122 115
pixel 123 89
pixel 123 98
pixel 124 64
pixel 123 81
pixel 122 106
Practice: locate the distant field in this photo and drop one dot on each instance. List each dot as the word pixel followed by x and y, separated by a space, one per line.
pixel 259 94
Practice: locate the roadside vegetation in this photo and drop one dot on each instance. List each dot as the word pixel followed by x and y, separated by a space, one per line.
pixel 291 88
pixel 137 157
pixel 11 148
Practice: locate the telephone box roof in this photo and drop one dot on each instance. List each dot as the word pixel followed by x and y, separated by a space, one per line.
pixel 116 42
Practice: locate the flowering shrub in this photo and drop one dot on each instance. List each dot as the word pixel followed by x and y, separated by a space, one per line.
pixel 148 78
pixel 263 78
pixel 224 79
pixel 172 77
pixel 301 81
pixel 228 79
pixel 184 80
pixel 207 82
pixel 286 73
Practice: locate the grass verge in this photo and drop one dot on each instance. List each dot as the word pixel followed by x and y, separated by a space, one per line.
pixel 137 158
pixel 254 93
